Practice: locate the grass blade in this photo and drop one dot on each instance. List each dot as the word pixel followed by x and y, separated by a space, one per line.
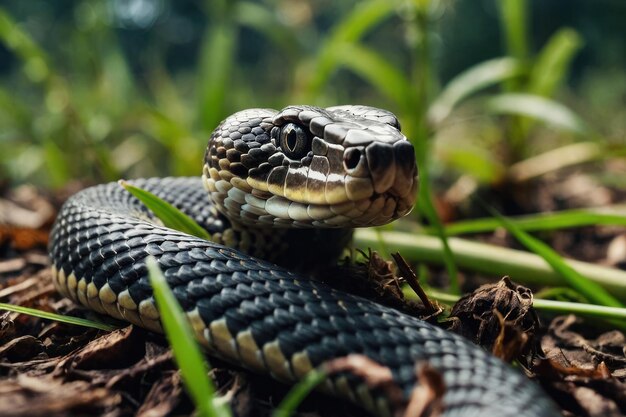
pixel 539 108
pixel 167 213
pixel 263 20
pixel 470 81
pixel 558 158
pixel 376 70
pixel 587 288
pixel 552 64
pixel 57 317
pixel 363 17
pixel 297 394
pixel 534 222
pixel 190 360
pixel 35 62
pixel 215 69
pixel 589 310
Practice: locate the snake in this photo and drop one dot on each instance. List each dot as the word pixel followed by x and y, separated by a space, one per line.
pixel 280 193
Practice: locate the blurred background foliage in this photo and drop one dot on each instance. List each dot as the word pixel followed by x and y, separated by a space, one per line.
pixel 100 90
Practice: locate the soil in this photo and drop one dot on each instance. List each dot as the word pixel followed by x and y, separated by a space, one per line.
pixel 53 369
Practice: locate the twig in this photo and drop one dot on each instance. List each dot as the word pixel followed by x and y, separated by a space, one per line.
pixel 413 282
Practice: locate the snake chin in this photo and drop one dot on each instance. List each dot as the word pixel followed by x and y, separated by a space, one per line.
pixel 277 211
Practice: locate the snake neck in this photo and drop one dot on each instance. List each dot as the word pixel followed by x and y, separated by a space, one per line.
pixel 304 250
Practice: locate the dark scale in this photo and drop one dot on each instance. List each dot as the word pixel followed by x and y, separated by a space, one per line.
pixel 250 161
pixel 239 170
pixel 241 145
pixel 233 155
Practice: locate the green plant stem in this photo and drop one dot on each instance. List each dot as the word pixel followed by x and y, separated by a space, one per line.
pixel 513 26
pixel 560 307
pixel 427 206
pixel 493 260
pixel 590 310
pixel 513 21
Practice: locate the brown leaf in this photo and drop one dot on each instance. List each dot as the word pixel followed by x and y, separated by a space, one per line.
pixel 566 345
pixel 510 341
pixel 21 349
pixel 163 397
pixel 118 349
pixel 498 317
pixel 22 238
pixel 373 374
pixel 45 396
pixel 582 373
pixel 427 395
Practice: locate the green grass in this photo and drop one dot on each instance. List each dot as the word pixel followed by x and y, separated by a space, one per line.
pixel 589 289
pixel 83 112
pixel 187 353
pixel 167 213
pixel 540 222
pixel 298 393
pixel 76 321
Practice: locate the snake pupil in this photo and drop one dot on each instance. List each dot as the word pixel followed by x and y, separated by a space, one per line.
pixel 294 141
pixel 292 138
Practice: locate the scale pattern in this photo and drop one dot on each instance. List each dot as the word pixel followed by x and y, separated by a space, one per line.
pixel 261 316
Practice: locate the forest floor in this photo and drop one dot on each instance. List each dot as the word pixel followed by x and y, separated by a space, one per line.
pixel 54 369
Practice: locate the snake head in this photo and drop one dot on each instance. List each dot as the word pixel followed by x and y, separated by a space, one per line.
pixel 303 166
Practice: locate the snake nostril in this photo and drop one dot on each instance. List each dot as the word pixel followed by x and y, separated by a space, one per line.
pixel 351 158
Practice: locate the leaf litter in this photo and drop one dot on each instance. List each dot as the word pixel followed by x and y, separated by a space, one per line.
pixel 55 369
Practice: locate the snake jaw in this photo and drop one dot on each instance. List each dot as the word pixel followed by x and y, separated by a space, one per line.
pixel 356 168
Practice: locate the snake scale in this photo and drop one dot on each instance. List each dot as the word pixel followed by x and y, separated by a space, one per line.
pixel 311 174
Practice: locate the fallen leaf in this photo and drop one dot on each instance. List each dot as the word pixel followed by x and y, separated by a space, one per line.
pixel 498 317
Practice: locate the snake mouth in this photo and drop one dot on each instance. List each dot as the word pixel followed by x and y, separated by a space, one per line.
pixel 377 210
pixel 378 185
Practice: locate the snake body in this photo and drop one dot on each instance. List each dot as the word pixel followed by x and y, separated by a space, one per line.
pixel 323 171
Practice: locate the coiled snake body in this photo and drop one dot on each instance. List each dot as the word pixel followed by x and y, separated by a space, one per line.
pixel 323 171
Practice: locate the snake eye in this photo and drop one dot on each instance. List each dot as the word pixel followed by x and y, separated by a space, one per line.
pixel 294 141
